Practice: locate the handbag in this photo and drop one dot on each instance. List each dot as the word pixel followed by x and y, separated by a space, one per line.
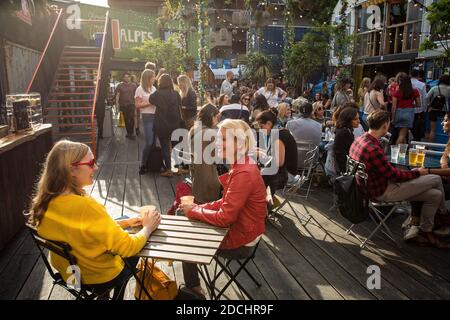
pixel 156 282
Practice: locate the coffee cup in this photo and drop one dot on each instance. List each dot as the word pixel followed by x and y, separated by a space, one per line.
pixel 187 200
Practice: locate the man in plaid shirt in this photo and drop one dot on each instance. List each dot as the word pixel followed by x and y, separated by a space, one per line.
pixel 387 183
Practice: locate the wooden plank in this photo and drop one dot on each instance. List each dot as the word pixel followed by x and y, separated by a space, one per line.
pixel 133 149
pixel 301 269
pixel 185 242
pixel 184 235
pixel 38 285
pixel 12 248
pixel 175 256
pixel 17 271
pixel 132 198
pixel 190 223
pixel 149 193
pixel 100 189
pixel 170 247
pixel 391 274
pixel 282 283
pixel 189 230
pixel 166 194
pixel 116 192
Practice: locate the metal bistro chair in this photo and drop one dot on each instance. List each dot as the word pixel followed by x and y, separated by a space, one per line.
pixel 224 264
pixel 375 214
pixel 79 291
pixel 438 147
pixel 290 191
pixel 182 156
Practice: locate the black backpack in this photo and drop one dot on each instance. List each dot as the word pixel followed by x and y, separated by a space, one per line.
pixel 438 103
pixel 155 159
pixel 351 203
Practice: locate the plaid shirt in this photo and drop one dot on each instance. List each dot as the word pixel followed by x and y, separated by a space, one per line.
pixel 367 149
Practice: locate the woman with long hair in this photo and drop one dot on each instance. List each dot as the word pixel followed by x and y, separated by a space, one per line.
pixel 404 100
pixel 168 117
pixel 271 92
pixel 374 98
pixel 223 100
pixel 363 89
pixel 62 211
pixel 284 114
pixel 205 179
pixel 188 100
pixel 348 121
pixel 318 112
pixel 147 111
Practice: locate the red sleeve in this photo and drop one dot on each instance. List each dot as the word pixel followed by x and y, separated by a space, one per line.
pixel 416 93
pixel 232 203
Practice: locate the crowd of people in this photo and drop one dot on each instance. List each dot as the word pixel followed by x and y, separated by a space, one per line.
pixel 330 121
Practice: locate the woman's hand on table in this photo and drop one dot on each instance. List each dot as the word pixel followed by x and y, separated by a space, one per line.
pixel 186 208
pixel 422 171
pixel 151 220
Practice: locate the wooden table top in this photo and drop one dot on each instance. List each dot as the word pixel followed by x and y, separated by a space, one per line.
pixel 11 141
pixel 180 239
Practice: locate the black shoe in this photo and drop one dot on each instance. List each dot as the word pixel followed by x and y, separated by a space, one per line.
pixel 137 132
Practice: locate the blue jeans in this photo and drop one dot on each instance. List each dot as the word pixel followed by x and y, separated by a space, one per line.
pixel 148 120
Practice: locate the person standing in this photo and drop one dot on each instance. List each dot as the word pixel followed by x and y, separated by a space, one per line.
pixel 403 106
pixel 418 129
pixel 436 96
pixel 125 98
pixel 167 117
pixel 227 85
pixel 147 110
pixel 188 101
pixel 342 95
pixel 272 93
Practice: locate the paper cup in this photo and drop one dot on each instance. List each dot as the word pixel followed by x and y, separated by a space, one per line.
pixel 187 200
pixel 143 209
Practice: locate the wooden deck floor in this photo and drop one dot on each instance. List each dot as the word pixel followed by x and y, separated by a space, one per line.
pixel 316 261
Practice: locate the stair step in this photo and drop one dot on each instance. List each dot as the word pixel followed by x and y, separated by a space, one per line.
pixel 80 59
pixel 69 100
pixel 70 87
pixel 80 53
pixel 72 133
pixel 70 48
pixel 85 124
pixel 52 116
pixel 76 80
pixel 69 93
pixel 71 74
pixel 77 63
pixel 67 109
pixel 72 68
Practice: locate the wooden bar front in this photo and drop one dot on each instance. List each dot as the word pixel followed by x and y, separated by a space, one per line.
pixel 21 159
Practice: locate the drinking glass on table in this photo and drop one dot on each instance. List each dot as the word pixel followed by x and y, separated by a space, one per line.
pixel 412 157
pixel 395 150
pixel 402 150
pixel 420 155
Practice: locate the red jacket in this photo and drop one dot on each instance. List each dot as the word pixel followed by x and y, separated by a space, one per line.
pixel 243 207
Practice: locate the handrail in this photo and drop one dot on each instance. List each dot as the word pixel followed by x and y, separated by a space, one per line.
pixel 99 78
pixel 44 52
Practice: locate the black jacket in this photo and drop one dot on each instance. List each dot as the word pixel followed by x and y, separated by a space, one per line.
pixel 168 112
pixel 343 140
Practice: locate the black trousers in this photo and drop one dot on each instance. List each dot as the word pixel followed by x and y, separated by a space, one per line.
pixel 190 272
pixel 118 283
pixel 276 181
pixel 418 129
pixel 128 114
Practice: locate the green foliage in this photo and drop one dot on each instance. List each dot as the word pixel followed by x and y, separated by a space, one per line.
pixel 439 17
pixel 167 54
pixel 318 10
pixel 307 56
pixel 258 68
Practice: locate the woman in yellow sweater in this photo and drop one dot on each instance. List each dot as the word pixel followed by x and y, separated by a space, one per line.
pixel 62 211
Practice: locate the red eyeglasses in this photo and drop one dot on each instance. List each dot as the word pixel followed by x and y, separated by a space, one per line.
pixel 90 163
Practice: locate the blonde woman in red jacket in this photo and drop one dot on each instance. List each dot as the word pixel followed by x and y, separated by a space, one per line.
pixel 243 207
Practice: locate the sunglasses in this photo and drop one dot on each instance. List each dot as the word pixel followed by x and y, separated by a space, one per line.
pixel 90 163
pixel 246 99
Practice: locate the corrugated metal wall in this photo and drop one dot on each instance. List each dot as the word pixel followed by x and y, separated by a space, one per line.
pixel 20 64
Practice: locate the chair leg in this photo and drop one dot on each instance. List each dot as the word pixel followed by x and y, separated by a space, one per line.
pixel 233 278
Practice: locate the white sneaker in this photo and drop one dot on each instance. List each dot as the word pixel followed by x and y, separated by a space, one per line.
pixel 411 232
pixel 442 232
pixel 406 223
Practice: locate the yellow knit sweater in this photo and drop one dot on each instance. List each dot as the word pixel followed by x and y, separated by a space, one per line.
pixel 97 241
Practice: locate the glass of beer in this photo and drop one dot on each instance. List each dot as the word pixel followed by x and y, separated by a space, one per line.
pixel 143 209
pixel 412 157
pixel 187 200
pixel 420 155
